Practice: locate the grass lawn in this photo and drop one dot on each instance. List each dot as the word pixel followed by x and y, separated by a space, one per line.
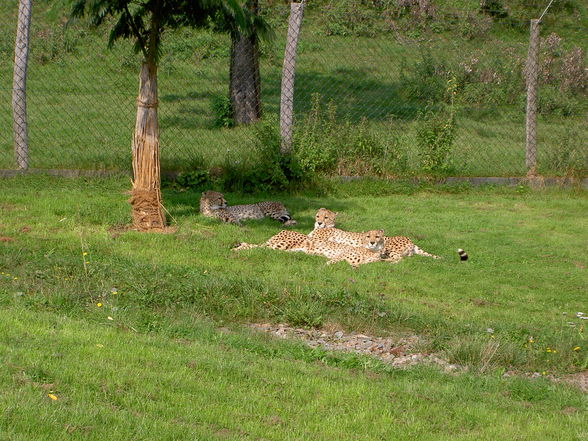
pixel 139 336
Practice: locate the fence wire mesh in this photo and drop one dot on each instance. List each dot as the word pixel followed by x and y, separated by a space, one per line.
pixel 373 93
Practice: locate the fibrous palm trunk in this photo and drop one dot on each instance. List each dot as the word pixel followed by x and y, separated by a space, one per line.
pixel 146 209
pixel 244 87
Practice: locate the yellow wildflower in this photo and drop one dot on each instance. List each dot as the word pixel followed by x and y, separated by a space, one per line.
pixel 99 305
pixel 53 397
pixel 84 254
pixel 577 348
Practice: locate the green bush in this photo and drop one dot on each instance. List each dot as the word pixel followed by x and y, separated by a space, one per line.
pixel 424 80
pixel 315 145
pixel 436 132
pixel 222 111
pixel 352 18
pixel 266 169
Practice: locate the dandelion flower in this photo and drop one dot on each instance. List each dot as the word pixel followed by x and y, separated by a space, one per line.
pixel 16 278
pixel 109 318
pixel 99 305
pixel 53 397
pixel 84 254
pixel 577 348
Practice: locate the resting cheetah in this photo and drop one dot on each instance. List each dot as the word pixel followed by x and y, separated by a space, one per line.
pixel 371 249
pixel 285 240
pixel 213 204
pixel 396 247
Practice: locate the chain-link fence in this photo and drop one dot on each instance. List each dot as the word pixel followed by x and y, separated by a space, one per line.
pixel 395 91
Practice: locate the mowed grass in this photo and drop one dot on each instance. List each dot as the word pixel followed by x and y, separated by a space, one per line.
pixel 139 336
pixel 66 378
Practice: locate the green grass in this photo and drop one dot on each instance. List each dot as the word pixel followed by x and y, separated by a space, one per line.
pixel 164 356
pixel 112 383
pixel 82 96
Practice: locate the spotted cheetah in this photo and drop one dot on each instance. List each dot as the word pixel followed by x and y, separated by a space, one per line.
pixel 285 240
pixel 213 204
pixel 371 249
pixel 396 247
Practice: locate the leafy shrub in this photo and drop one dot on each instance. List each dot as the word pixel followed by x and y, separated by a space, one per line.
pixel 325 145
pixel 436 132
pixel 266 169
pixel 315 146
pixel 424 80
pixel 493 8
pixel 550 100
pixel 568 157
pixel 222 111
pixel 351 18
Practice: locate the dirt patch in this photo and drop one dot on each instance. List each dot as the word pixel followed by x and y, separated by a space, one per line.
pixel 579 379
pixel 25 229
pixel 399 352
pixel 6 239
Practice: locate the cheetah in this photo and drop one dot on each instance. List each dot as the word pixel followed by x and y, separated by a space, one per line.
pixel 285 240
pixel 396 247
pixel 371 249
pixel 213 204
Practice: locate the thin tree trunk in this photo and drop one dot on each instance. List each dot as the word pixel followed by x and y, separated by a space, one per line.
pixel 288 73
pixel 245 83
pixel 146 208
pixel 19 84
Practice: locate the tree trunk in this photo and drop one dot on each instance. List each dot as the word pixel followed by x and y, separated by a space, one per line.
pixel 19 84
pixel 244 86
pixel 288 73
pixel 146 208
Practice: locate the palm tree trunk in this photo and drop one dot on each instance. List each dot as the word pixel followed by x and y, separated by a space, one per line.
pixel 146 208
pixel 19 100
pixel 244 86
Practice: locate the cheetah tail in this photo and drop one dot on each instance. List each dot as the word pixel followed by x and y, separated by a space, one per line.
pixel 245 246
pixel 417 250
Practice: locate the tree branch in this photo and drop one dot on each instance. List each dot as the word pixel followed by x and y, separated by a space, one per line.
pixel 136 32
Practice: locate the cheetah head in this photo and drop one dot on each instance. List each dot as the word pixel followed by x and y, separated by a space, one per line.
pixel 212 200
pixel 374 240
pixel 324 218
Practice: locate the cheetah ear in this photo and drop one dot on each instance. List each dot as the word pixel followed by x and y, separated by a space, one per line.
pixel 322 208
pixel 381 231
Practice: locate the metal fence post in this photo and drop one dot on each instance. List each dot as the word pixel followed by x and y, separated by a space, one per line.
pixel 19 83
pixel 531 74
pixel 288 73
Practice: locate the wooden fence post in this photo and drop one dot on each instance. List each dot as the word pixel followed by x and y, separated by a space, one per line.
pixel 288 73
pixel 531 75
pixel 19 84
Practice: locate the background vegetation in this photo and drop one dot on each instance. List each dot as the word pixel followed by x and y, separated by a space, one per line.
pixel 375 81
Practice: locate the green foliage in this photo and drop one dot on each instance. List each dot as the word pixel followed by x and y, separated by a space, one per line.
pixel 316 145
pixel 424 79
pixel 324 144
pixel 222 111
pixel 494 8
pixel 351 18
pixel 266 169
pixel 435 138
pixel 568 158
